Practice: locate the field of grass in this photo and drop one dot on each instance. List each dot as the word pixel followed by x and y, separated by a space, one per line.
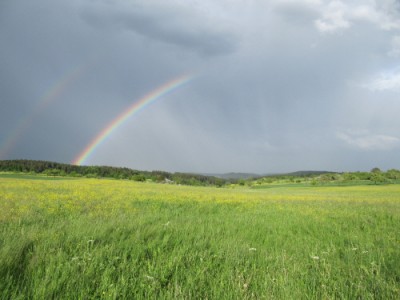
pixel 110 239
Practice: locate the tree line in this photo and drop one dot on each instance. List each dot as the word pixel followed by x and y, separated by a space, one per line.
pixel 375 176
pixel 60 169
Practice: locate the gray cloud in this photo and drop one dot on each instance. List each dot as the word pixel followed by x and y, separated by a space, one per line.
pixel 367 141
pixel 177 26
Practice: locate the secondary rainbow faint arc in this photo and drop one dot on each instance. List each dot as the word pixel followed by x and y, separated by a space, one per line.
pixel 133 109
pixel 51 95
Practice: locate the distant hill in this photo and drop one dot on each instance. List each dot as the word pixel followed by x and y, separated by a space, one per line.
pixel 307 173
pixel 237 176
pixel 234 175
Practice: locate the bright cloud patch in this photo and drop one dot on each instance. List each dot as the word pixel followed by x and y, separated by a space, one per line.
pixel 337 15
pixel 367 141
pixel 384 82
pixel 333 18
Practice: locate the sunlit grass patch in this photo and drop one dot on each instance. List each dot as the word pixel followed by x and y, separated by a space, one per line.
pixel 91 238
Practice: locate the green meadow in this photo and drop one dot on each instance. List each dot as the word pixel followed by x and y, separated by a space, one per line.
pixel 120 239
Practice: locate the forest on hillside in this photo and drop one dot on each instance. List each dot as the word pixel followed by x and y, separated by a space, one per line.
pixel 375 176
pixel 60 169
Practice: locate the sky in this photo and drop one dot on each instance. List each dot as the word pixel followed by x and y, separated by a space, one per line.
pixel 274 86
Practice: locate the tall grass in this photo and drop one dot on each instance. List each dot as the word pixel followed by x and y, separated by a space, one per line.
pixel 105 239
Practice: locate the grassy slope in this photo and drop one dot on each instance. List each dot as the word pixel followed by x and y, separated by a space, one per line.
pixel 91 238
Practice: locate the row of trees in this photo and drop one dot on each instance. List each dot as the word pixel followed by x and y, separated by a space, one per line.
pixel 59 169
pixel 375 176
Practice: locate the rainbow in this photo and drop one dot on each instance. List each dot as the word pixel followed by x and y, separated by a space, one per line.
pixel 49 97
pixel 133 109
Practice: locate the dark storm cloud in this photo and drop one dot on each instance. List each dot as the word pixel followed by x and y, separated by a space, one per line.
pixel 297 12
pixel 171 26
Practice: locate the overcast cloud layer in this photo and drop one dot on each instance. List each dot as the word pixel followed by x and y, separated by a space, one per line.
pixel 279 85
